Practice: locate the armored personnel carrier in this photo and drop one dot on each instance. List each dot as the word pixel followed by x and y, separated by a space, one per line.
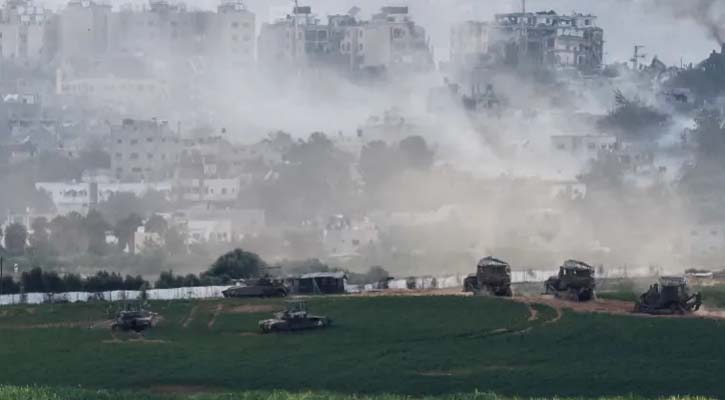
pixel 575 281
pixel 493 276
pixel 262 287
pixel 294 318
pixel 670 296
pixel 133 320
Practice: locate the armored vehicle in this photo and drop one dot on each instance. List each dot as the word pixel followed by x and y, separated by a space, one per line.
pixel 671 296
pixel 470 284
pixel 133 320
pixel 493 276
pixel 262 287
pixel 294 318
pixel 574 282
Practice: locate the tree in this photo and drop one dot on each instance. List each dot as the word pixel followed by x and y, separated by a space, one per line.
pixel 8 285
pixel 32 280
pixel 67 234
pixel 415 153
pixel 709 134
pixel 236 264
pixel 125 229
pixel 40 238
pixel 95 227
pixel 377 163
pixel 16 236
pixel 73 283
pixel 314 180
pixel 167 280
pixel 633 118
pixel 102 281
pixel 175 241
pixel 157 224
pixel 52 282
pixel 134 282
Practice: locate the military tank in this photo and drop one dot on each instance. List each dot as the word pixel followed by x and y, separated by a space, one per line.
pixel 575 281
pixel 262 287
pixel 133 320
pixel 671 296
pixel 294 318
pixel 493 277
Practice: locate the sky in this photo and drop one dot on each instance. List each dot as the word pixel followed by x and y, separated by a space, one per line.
pixel 625 22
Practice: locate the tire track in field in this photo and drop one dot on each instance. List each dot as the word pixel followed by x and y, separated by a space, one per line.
pixel 190 317
pixel 217 311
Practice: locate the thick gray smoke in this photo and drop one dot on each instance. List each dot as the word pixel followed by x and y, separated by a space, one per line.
pixel 710 14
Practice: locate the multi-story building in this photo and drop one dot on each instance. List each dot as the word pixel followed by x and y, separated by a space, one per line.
pixel 84 29
pixel 541 38
pixel 393 41
pixel 23 31
pixel 163 29
pixel 144 150
pixel 389 41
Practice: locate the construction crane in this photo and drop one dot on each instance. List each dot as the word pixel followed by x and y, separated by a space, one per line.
pixel 637 56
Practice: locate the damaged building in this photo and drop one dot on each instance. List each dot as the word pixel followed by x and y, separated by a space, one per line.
pixel 535 38
pixel 389 41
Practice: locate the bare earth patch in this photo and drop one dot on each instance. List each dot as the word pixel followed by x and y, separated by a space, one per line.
pixel 613 307
pixel 251 309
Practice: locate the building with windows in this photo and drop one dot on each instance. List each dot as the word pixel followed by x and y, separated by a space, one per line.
pixel 23 30
pixel 161 29
pixel 390 41
pixel 538 38
pixel 144 150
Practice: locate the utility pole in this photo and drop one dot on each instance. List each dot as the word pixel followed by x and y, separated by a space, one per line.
pixel 635 58
pixel 524 31
pixel 1 276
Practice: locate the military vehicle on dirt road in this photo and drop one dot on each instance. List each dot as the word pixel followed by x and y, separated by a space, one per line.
pixel 262 287
pixel 493 277
pixel 670 297
pixel 294 318
pixel 575 281
pixel 133 320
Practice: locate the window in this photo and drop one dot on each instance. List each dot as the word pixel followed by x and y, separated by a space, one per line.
pixel 134 156
pixel 149 140
pixel 119 141
pixel 150 156
pixel 235 25
pixel 119 156
pixel 134 141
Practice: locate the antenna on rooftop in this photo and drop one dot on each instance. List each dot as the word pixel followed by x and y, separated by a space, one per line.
pixel 637 55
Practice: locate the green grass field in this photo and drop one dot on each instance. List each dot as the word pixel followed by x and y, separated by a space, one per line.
pixel 401 346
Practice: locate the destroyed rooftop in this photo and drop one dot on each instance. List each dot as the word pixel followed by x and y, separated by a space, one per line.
pixel 492 261
pixel 577 265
